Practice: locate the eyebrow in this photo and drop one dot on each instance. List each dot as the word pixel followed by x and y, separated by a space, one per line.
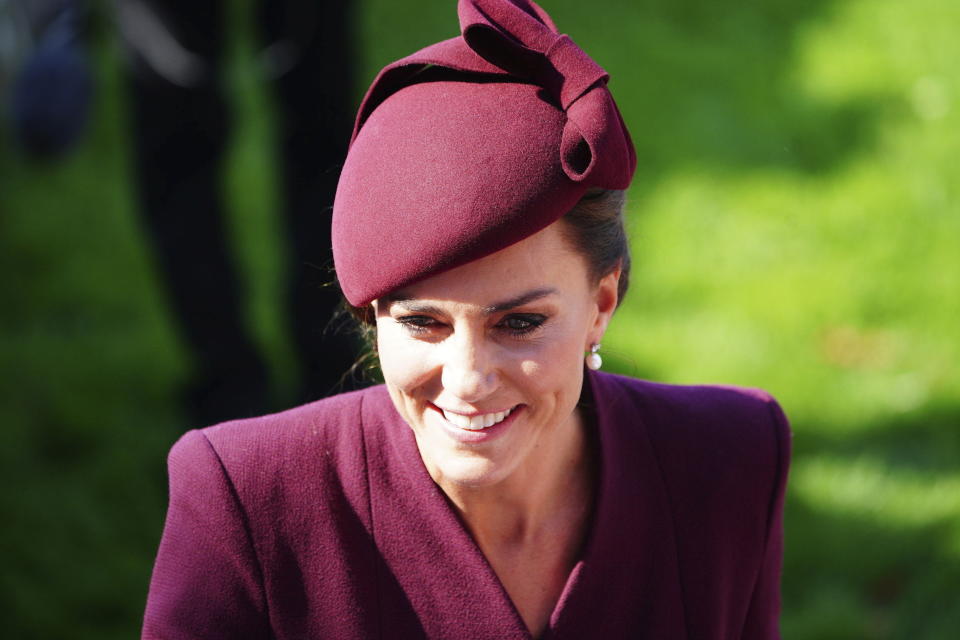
pixel 520 300
pixel 410 304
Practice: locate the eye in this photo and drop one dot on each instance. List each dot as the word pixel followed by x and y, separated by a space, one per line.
pixel 521 324
pixel 418 324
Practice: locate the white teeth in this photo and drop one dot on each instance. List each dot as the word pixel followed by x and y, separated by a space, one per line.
pixel 476 423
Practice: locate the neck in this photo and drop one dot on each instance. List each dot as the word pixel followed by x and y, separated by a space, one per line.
pixel 553 491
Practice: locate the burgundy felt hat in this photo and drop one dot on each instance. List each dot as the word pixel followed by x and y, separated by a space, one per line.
pixel 471 145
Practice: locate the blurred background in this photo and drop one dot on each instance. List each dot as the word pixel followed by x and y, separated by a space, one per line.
pixel 795 222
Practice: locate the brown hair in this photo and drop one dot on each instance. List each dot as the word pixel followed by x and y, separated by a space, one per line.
pixel 595 229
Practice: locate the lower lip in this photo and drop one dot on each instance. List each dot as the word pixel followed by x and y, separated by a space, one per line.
pixel 470 436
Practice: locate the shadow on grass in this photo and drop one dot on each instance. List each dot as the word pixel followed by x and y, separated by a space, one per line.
pixel 875 554
pixel 926 439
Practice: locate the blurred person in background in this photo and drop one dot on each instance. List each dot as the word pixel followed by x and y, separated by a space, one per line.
pixel 181 126
pixel 45 74
pixel 498 485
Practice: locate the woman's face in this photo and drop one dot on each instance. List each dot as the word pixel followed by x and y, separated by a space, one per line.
pixel 485 362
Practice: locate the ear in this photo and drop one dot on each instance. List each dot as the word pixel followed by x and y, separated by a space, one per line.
pixel 606 297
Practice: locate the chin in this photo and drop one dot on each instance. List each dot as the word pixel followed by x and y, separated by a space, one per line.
pixel 469 472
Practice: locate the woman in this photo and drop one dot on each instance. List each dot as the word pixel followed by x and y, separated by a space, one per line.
pixel 491 488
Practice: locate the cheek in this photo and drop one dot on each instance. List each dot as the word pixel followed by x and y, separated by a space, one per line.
pixel 553 365
pixel 403 361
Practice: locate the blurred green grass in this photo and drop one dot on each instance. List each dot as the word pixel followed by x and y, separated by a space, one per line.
pixel 796 226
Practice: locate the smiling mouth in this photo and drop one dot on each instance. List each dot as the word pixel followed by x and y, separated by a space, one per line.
pixel 476 423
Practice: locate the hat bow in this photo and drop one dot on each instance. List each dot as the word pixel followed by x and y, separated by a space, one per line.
pixel 518 37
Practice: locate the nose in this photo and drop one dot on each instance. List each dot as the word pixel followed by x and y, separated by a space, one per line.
pixel 469 367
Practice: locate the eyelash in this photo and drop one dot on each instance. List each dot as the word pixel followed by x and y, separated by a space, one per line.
pixel 416 324
pixel 530 322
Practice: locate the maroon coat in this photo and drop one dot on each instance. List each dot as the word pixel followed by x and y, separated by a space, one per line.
pixel 322 522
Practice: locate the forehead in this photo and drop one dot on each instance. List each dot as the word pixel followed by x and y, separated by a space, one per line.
pixel 543 260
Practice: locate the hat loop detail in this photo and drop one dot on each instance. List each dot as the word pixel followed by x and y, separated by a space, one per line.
pixel 577 72
pixel 518 37
pixel 527 45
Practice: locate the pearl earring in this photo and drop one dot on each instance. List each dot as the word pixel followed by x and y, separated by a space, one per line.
pixel 593 359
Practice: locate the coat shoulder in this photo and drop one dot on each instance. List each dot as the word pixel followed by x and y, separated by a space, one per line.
pixel 324 426
pixel 710 440
pixel 710 418
pixel 273 461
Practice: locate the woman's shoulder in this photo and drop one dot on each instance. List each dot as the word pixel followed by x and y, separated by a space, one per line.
pixel 695 411
pixel 266 436
pixel 317 443
pixel 251 502
pixel 702 434
pixel 722 454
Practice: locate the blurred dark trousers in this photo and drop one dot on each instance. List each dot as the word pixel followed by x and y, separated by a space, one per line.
pixel 181 124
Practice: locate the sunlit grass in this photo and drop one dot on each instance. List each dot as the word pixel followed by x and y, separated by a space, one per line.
pixel 869 488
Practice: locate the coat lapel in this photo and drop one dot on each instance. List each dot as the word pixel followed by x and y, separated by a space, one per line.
pixel 627 583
